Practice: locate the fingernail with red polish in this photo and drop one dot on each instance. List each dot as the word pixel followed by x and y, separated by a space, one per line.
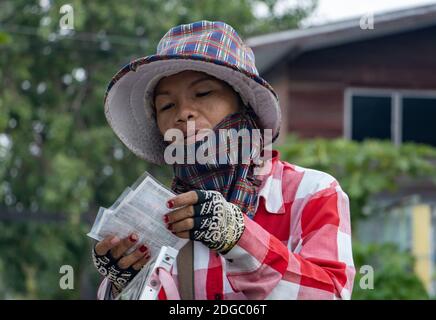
pixel 142 248
pixel 169 226
pixel 170 204
pixel 133 238
pixel 165 218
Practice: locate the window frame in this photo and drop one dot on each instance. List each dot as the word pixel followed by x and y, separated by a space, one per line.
pixel 396 95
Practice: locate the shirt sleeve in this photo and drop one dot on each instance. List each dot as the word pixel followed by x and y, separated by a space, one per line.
pixel 316 264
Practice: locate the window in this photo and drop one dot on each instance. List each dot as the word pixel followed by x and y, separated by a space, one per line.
pixel 396 115
pixel 419 120
pixel 375 111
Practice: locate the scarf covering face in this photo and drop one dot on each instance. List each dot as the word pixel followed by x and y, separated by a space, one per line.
pixel 233 177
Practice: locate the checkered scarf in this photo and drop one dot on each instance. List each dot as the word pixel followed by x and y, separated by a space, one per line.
pixel 234 180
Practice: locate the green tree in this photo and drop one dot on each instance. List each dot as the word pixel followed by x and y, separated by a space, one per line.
pixel 393 273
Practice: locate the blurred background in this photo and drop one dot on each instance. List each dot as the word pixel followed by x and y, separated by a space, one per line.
pixel 357 88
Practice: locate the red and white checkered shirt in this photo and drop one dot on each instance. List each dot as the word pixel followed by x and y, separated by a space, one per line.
pixel 298 246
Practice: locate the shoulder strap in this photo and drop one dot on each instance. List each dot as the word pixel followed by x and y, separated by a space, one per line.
pixel 185 271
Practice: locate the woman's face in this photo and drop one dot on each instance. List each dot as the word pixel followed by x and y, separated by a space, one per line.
pixel 193 96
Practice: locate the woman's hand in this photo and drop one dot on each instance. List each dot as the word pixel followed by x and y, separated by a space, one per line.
pixel 111 260
pixel 205 216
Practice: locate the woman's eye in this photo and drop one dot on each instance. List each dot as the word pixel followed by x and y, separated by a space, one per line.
pixel 166 107
pixel 202 94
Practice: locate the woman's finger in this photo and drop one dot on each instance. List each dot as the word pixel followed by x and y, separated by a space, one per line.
pixel 184 225
pixel 132 258
pixel 204 222
pixel 183 199
pixel 205 195
pixel 205 208
pixel 124 245
pixel 102 247
pixel 180 214
pixel 141 262
pixel 183 235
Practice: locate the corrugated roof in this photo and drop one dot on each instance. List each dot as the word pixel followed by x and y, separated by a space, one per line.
pixel 270 48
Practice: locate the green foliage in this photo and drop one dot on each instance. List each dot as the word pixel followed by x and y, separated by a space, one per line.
pixel 4 38
pixel 276 18
pixel 32 255
pixel 393 273
pixel 363 169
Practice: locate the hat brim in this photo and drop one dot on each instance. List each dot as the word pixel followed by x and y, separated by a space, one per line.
pixel 128 99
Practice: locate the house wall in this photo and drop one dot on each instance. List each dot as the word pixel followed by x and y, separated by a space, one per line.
pixel 311 92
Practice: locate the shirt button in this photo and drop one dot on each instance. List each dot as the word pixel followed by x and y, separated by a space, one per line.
pixel 218 296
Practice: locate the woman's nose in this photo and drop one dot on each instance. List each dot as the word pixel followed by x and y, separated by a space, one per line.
pixel 186 112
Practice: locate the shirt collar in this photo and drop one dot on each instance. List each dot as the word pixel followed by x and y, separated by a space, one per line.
pixel 271 187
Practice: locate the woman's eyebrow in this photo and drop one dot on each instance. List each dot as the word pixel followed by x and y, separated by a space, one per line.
pixel 200 80
pixel 190 85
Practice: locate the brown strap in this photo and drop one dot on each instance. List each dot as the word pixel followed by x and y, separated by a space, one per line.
pixel 185 271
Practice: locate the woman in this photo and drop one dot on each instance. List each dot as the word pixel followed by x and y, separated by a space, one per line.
pixel 259 230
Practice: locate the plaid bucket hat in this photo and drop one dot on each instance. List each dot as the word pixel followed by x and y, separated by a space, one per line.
pixel 210 47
